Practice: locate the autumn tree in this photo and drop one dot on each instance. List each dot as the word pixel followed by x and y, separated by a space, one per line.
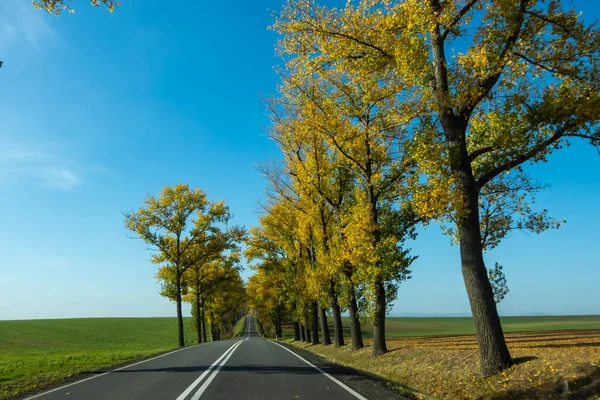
pixel 273 249
pixel 224 304
pixel 323 187
pixel 356 118
pixel 216 267
pixel 176 224
pixel 489 86
pixel 56 6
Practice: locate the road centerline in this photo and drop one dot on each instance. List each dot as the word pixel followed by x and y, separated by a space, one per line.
pixel 214 374
pixel 190 388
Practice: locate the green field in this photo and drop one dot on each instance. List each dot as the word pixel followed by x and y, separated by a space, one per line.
pixel 36 353
pixel 396 326
pixel 464 326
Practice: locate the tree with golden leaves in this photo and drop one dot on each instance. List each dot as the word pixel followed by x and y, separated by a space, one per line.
pixel 185 229
pixel 356 119
pixel 488 85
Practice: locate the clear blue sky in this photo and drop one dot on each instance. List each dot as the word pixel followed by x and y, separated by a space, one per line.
pixel 96 110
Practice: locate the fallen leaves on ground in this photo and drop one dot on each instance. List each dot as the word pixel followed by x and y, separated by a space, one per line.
pixel 548 365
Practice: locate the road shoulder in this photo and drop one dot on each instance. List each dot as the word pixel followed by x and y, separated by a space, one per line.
pixel 369 385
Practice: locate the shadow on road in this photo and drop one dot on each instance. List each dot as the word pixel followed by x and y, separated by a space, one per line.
pixel 252 368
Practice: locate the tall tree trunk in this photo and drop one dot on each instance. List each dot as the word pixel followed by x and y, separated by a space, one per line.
pixel 179 313
pixel 379 346
pixel 315 322
pixel 355 332
pixel 204 338
pixel 325 326
pixel 303 332
pixel 493 352
pixel 296 331
pixel 306 328
pixel 213 332
pixel 198 320
pixel 279 327
pixel 338 330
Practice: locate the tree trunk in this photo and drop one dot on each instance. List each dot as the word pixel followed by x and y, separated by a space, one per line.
pixel 198 320
pixel 278 327
pixel 306 328
pixel 296 331
pixel 338 331
pixel 213 332
pixel 325 327
pixel 303 332
pixel 493 352
pixel 179 313
pixel 355 332
pixel 379 346
pixel 315 322
pixel 204 339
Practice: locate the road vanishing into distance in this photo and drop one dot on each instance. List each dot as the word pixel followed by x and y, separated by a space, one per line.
pixel 247 367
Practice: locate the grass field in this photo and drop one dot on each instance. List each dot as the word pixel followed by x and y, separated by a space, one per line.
pixel 399 327
pixel 238 329
pixel 37 353
pixel 396 327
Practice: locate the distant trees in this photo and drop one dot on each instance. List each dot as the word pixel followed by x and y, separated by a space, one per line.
pixel 424 110
pixel 195 246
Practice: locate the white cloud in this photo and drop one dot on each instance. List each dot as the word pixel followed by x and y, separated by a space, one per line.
pixel 21 23
pixel 36 164
pixel 60 178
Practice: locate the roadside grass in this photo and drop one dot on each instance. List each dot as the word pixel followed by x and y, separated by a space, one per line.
pixel 38 353
pixel 238 328
pixel 548 365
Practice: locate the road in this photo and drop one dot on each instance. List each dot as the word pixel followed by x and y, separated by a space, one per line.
pixel 247 367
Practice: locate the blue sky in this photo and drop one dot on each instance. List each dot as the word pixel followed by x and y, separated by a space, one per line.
pixel 99 109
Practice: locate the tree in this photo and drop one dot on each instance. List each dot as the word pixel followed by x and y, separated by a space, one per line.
pixel 355 118
pixel 524 78
pixel 498 282
pixel 273 250
pixel 175 224
pixel 213 275
pixel 56 6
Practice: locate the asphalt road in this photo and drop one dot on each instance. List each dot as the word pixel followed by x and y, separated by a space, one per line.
pixel 247 367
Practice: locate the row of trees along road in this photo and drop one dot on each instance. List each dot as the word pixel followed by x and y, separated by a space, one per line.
pixel 392 114
pixel 199 256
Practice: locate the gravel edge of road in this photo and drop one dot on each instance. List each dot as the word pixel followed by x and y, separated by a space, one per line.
pixel 369 385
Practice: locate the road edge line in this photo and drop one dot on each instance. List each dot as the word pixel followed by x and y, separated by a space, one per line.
pixel 106 373
pixel 341 384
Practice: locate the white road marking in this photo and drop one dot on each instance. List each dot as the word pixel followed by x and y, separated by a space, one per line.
pixel 214 374
pixel 106 373
pixel 346 387
pixel 187 391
